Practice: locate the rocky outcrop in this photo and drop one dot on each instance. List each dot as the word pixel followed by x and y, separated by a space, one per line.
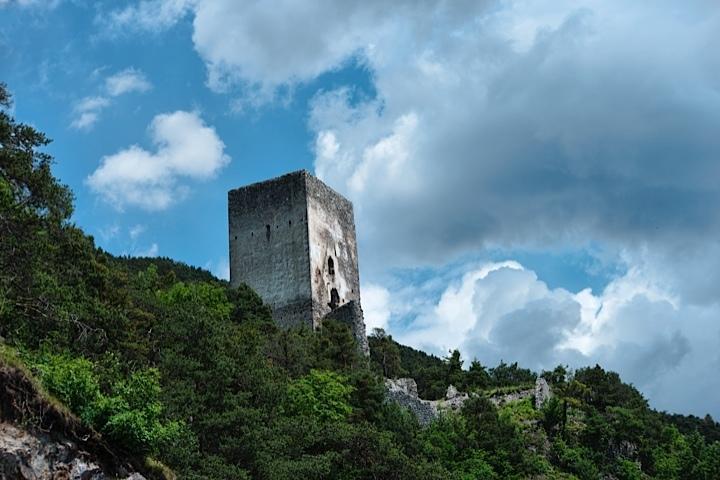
pixel 542 392
pixel 453 400
pixel 40 439
pixel 403 391
pixel 30 455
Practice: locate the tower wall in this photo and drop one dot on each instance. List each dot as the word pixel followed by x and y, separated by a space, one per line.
pixel 269 247
pixel 292 239
pixel 331 230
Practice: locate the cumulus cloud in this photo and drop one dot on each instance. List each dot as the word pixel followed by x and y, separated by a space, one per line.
pixel 579 134
pixel 126 81
pixel 502 311
pixel 264 46
pixel 534 123
pixel 185 149
pixel 545 127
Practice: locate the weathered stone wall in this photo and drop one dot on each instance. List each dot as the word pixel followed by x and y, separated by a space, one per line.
pixel 351 314
pixel 269 249
pixel 331 231
pixel 403 391
pixel 292 239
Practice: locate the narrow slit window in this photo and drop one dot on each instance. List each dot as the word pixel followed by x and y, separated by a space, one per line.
pixel 331 266
pixel 267 232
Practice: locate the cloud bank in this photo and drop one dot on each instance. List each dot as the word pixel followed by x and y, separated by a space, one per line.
pixel 511 125
pixel 502 311
pixel 185 149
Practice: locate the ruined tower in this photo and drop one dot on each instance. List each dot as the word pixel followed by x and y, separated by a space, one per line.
pixel 292 239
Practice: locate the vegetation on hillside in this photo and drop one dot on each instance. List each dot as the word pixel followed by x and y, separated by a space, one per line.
pixel 168 362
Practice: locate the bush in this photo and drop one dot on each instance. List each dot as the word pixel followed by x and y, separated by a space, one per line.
pixel 70 380
pixel 322 394
pixel 129 415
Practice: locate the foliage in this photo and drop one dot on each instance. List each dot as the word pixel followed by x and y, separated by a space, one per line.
pixel 384 353
pixel 321 394
pixel 130 414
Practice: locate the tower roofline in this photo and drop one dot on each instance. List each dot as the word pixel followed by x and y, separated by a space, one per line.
pixel 287 176
pixel 279 178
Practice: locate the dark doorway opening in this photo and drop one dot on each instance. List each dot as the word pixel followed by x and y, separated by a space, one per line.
pixel 334 299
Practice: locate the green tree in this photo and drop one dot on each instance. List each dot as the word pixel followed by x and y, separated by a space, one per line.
pixel 455 374
pixel 320 394
pixel 384 353
pixel 336 347
pixel 477 376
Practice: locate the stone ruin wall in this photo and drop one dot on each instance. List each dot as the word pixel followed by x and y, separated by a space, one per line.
pixel 403 391
pixel 269 247
pixel 331 232
pixel 292 239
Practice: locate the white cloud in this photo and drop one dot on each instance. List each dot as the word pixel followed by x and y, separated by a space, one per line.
pixel 48 4
pixel 263 46
pixel 109 232
pixel 514 124
pixel 376 306
pixel 220 268
pixel 149 15
pixel 126 81
pixel 185 149
pixel 87 112
pixel 151 251
pixel 636 327
pixel 136 231
pixel 495 158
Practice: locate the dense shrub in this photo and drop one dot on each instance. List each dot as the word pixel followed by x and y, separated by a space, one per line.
pixel 129 415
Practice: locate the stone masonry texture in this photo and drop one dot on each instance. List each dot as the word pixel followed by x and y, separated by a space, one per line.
pixel 292 239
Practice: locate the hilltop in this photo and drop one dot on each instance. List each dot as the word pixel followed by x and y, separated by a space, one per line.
pixel 169 369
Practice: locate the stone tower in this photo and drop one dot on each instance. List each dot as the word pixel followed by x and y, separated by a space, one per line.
pixel 292 239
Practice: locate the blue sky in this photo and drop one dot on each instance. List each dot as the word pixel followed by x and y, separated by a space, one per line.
pixel 533 181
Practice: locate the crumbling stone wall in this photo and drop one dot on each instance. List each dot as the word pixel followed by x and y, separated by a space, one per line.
pixel 333 248
pixel 403 391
